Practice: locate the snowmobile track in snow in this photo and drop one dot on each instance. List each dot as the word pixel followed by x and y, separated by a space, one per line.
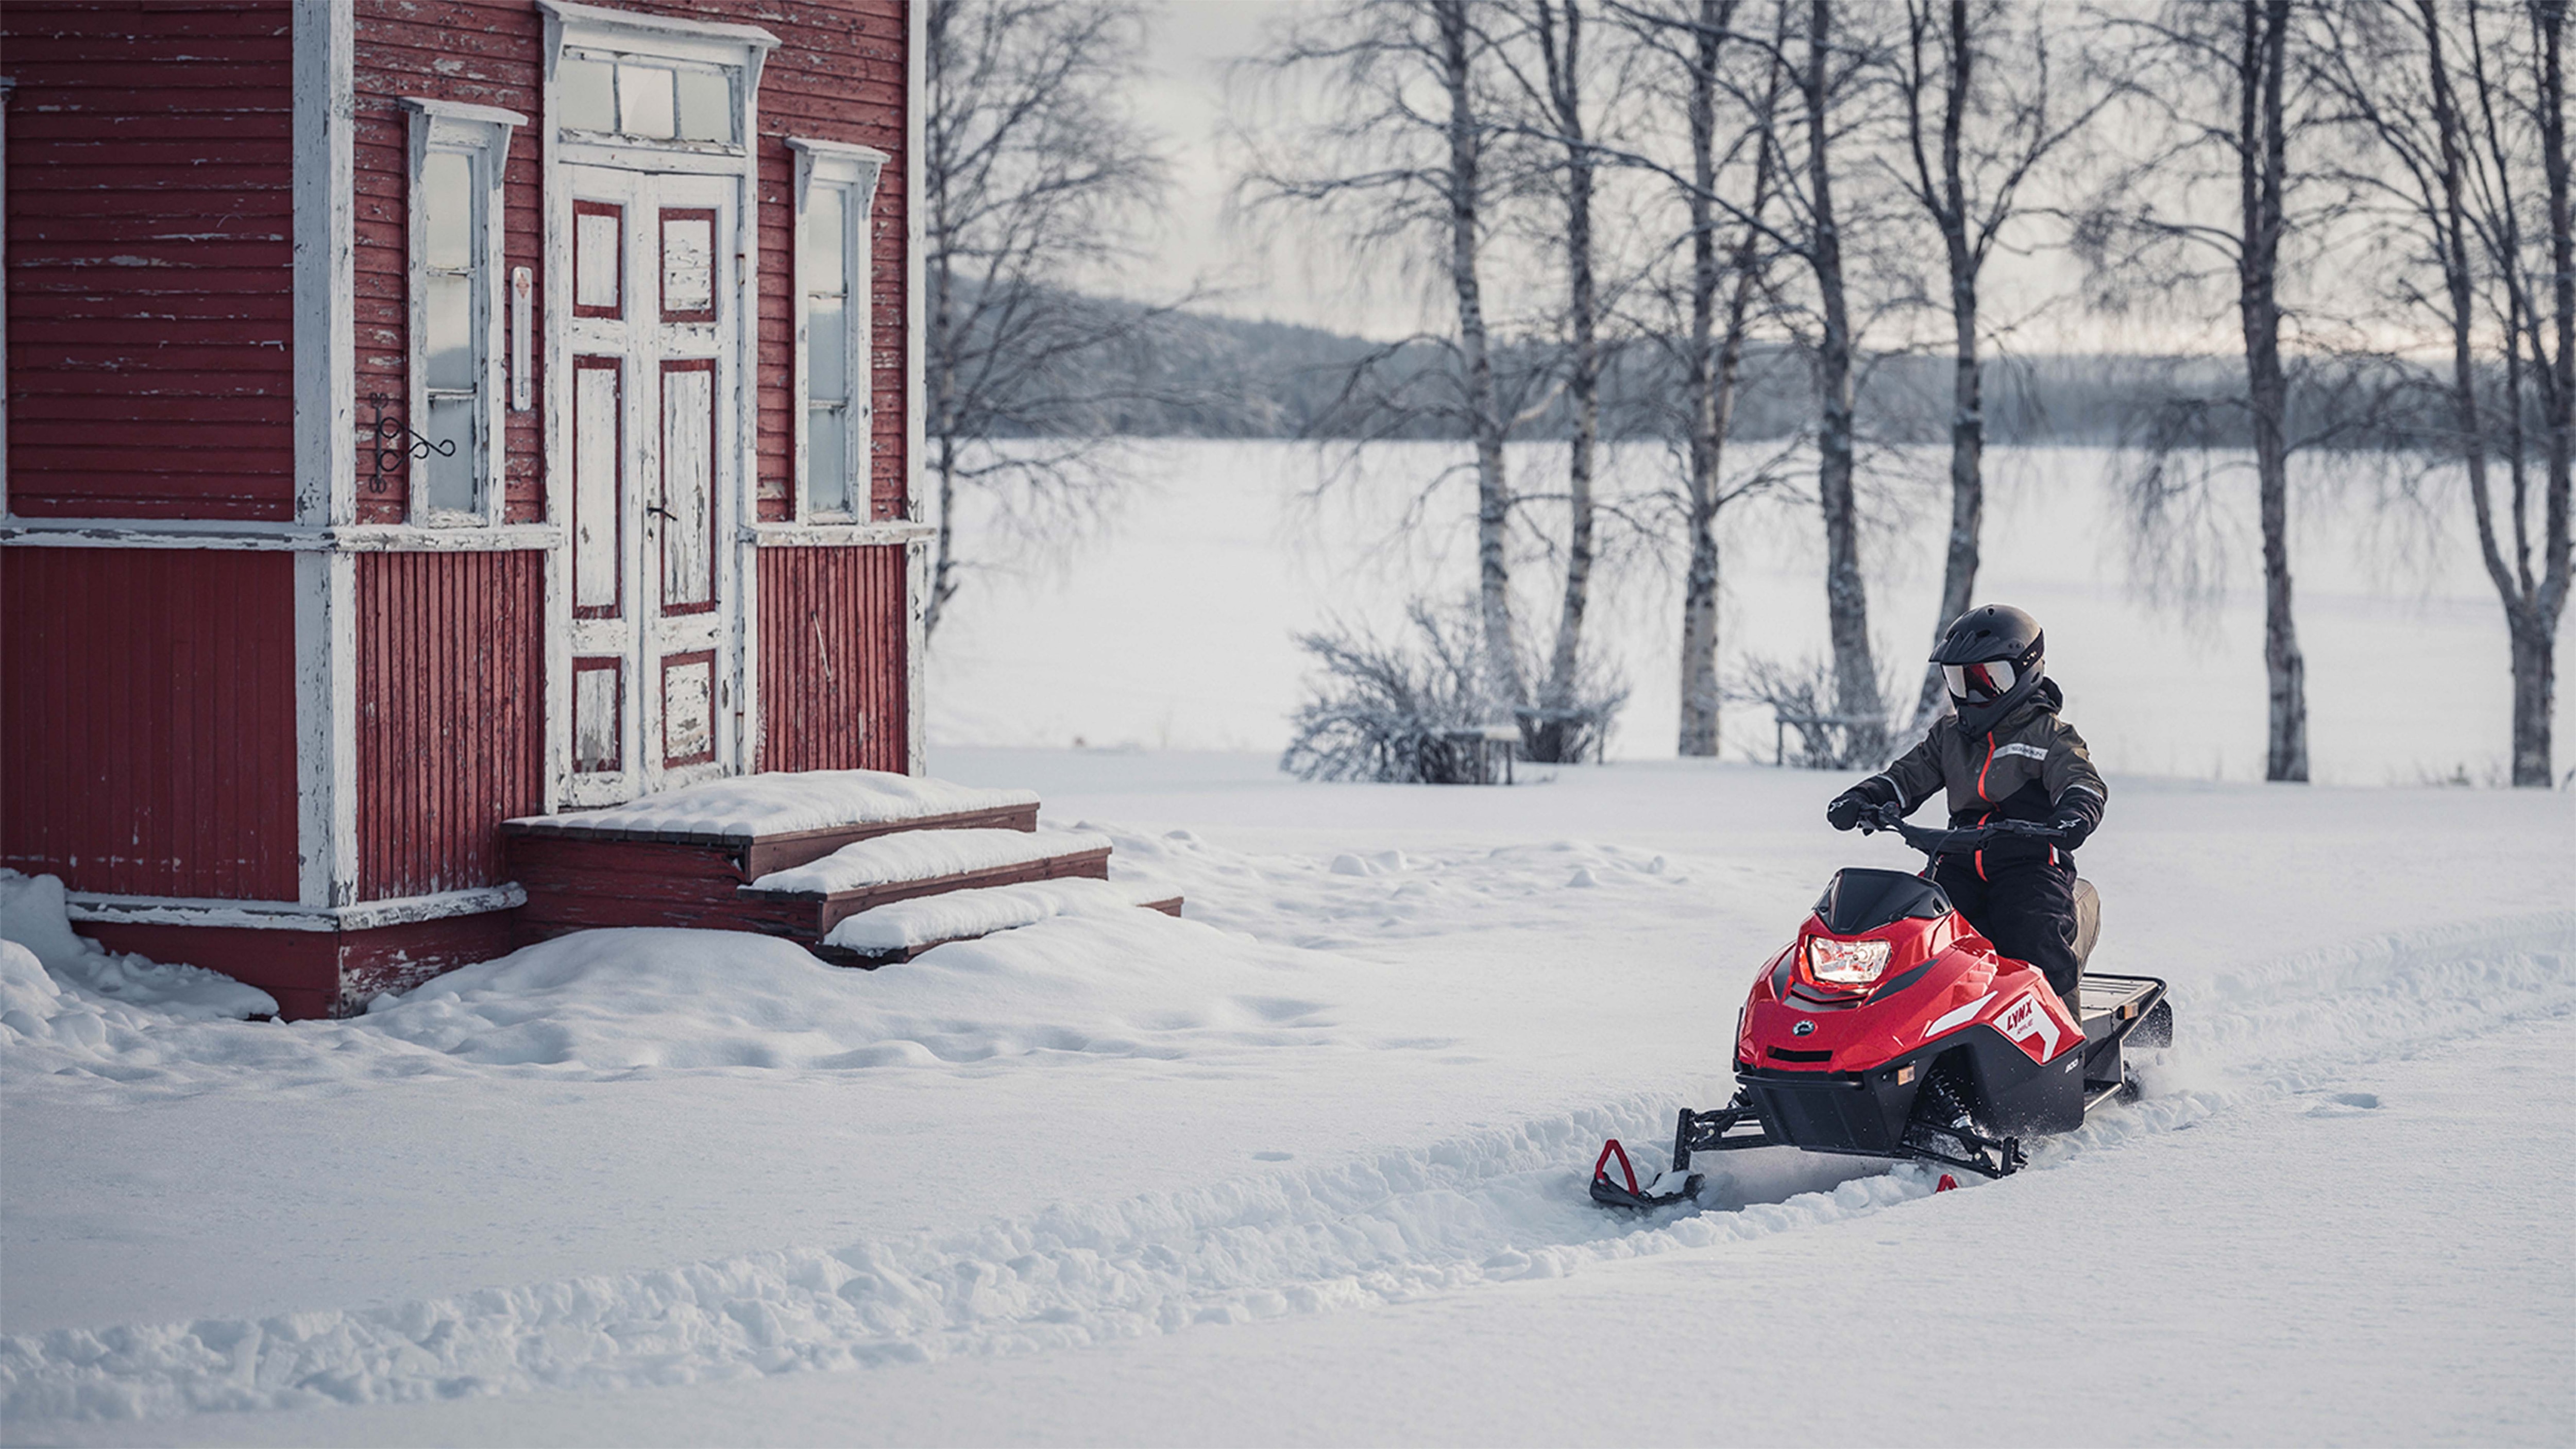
pixel 1494 1206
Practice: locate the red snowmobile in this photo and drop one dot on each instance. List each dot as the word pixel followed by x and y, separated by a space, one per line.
pixel 1890 1028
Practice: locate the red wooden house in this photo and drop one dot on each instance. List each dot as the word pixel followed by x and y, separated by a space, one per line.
pixel 426 413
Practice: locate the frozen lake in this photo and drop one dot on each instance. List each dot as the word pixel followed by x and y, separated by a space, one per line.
pixel 1172 627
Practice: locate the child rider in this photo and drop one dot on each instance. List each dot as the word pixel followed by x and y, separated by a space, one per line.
pixel 2005 755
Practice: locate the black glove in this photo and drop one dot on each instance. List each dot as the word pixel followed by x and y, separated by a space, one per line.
pixel 2073 825
pixel 1844 812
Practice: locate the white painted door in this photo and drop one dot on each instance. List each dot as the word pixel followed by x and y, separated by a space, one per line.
pixel 654 408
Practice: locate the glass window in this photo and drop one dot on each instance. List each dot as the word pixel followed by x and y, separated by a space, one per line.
pixel 706 106
pixel 644 104
pixel 586 94
pixel 452 348
pixel 831 484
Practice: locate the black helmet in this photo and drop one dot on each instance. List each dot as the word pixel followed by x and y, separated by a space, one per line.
pixel 1992 658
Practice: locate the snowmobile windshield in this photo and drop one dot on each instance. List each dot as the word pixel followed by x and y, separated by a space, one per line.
pixel 1979 683
pixel 1857 900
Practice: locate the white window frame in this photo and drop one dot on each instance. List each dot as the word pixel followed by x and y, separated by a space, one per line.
pixel 837 173
pixel 482 135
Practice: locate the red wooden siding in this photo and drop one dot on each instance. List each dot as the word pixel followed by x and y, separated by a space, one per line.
pixel 147 697
pixel 484 52
pixel 834 679
pixel 150 272
pixel 451 715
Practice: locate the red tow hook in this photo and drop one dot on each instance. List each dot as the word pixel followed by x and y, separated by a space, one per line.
pixel 1946 1184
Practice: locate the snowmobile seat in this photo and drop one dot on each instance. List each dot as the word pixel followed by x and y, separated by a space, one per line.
pixel 2088 920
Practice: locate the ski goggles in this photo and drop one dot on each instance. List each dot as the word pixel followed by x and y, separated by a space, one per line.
pixel 1980 683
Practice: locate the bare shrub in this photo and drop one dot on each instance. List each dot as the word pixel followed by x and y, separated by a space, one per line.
pixel 1801 695
pixel 1408 711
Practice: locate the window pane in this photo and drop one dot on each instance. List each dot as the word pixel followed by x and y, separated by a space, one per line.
pixel 451 332
pixel 447 207
pixel 826 261
pixel 706 107
pixel 584 95
pixel 827 459
pixel 451 477
pixel 827 351
pixel 644 101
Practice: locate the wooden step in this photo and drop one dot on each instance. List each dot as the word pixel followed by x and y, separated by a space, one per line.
pixel 821 894
pixel 901 930
pixel 681 858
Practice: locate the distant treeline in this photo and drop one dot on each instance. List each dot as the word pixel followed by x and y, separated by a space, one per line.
pixel 1201 375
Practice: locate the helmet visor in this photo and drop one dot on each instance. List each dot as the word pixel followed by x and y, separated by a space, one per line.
pixel 1981 683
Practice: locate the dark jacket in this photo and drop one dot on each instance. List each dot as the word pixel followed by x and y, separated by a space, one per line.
pixel 2025 768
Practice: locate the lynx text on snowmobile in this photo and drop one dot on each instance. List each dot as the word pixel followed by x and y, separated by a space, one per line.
pixel 1890 1028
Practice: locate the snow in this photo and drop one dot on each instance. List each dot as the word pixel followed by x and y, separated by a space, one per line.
pixel 43 955
pixel 1309 1165
pixel 746 807
pixel 958 915
pixel 919 855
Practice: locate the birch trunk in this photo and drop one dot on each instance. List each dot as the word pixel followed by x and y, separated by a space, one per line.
pixel 2262 164
pixel 2534 644
pixel 1555 736
pixel 1967 385
pixel 1856 694
pixel 1715 361
pixel 1493 491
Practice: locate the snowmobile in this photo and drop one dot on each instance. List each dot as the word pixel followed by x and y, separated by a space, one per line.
pixel 1890 1028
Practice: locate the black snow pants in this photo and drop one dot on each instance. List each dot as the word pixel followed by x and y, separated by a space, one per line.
pixel 2025 904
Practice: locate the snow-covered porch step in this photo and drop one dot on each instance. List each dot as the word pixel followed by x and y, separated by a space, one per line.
pixel 863 876
pixel 904 929
pixel 681 857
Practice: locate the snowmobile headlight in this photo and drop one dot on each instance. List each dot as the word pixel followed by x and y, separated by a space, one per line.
pixel 1846 963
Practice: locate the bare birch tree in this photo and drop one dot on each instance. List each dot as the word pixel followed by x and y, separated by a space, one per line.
pixel 1822 80
pixel 1555 730
pixel 2459 100
pixel 2213 81
pixel 1728 262
pixel 1397 170
pixel 1030 174
pixel 1981 118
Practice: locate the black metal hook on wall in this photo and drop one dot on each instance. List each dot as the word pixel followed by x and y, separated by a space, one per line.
pixel 394 443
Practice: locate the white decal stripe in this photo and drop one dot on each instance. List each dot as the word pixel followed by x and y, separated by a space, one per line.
pixel 1963 1014
pixel 2033 752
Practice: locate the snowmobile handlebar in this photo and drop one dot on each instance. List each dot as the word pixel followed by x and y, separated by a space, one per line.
pixel 1938 843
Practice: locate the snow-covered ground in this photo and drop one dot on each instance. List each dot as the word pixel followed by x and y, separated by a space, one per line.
pixel 1173 629
pixel 1308 1165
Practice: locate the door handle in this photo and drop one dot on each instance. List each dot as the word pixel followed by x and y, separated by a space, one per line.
pixel 666 513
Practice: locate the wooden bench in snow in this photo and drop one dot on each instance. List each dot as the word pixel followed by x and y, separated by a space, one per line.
pixel 681 858
pixel 819 895
pixel 904 929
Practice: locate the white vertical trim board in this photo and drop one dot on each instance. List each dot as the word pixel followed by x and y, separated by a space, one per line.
pixel 916 662
pixel 326 461
pixel 916 369
pixel 554 276
pixel 326 348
